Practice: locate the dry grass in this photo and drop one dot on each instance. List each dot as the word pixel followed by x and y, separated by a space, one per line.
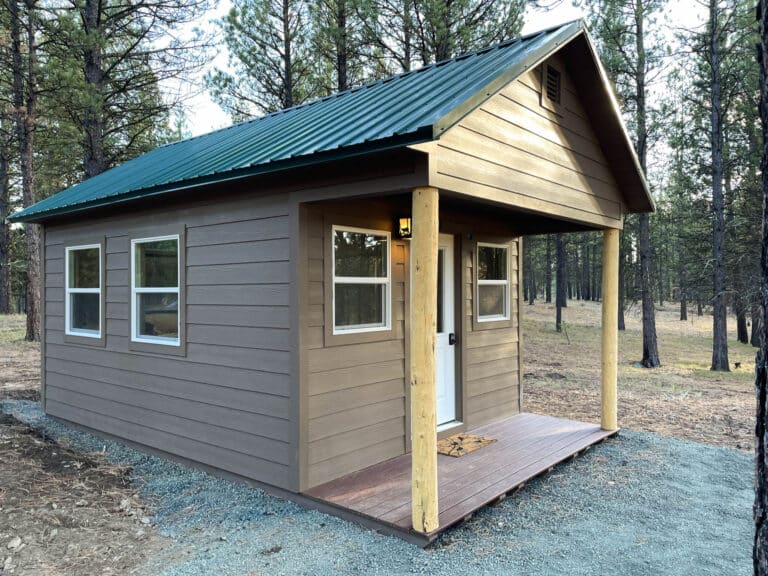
pixel 19 360
pixel 682 398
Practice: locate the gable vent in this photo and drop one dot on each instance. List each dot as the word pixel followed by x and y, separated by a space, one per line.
pixel 553 84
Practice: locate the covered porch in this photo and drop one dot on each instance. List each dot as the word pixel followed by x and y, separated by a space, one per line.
pixel 526 445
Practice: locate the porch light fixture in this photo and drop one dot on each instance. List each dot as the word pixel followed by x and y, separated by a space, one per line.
pixel 404 227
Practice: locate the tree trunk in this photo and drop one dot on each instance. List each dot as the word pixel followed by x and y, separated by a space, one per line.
pixel 742 334
pixel 683 292
pixel 531 273
pixel 719 315
pixel 5 237
pixel 25 103
pixel 443 40
pixel 757 325
pixel 342 74
pixel 660 283
pixel 699 306
pixel 93 120
pixel 760 509
pixel 560 281
pixel 740 311
pixel 586 290
pixel 548 272
pixel 597 272
pixel 650 346
pixel 287 56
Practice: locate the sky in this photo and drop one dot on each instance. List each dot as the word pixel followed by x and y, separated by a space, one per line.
pixel 204 115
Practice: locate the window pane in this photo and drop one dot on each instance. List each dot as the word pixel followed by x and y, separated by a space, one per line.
pixel 360 305
pixel 492 300
pixel 491 263
pixel 84 311
pixel 158 314
pixel 84 268
pixel 157 264
pixel 360 254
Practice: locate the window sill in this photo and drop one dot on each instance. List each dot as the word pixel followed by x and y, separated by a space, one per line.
pixel 493 324
pixel 158 348
pixel 95 341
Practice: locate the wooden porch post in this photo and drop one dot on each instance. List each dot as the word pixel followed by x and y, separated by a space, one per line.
pixel 610 344
pixel 424 511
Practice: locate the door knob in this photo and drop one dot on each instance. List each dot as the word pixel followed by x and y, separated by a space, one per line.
pixel 451 339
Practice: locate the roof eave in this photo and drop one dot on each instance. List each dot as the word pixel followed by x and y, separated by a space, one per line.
pixel 398 141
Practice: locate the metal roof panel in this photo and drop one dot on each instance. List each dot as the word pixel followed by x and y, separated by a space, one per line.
pixel 402 109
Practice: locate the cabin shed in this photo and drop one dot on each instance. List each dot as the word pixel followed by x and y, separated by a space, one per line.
pixel 312 299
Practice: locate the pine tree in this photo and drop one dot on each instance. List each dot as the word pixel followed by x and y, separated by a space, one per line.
pixel 23 37
pixel 270 57
pixel 631 54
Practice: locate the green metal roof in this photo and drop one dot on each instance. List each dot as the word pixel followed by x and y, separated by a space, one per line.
pixel 404 109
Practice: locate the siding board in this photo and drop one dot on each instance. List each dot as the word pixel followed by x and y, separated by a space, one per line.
pixel 226 401
pixel 242 295
pixel 329 469
pixel 225 395
pixel 239 336
pixel 212 455
pixel 354 419
pixel 259 251
pixel 247 316
pixel 168 367
pixel 248 444
pixel 269 427
pixel 232 233
pixel 231 274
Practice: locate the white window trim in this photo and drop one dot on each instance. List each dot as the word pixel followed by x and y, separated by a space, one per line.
pixel 505 283
pixel 135 291
pixel 386 282
pixel 68 330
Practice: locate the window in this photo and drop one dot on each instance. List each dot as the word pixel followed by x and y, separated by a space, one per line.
pixel 492 282
pixel 361 280
pixel 155 290
pixel 83 291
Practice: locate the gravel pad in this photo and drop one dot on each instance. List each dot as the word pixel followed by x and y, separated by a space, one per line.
pixel 638 504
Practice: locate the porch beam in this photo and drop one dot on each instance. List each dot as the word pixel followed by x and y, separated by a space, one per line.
pixel 425 225
pixel 610 340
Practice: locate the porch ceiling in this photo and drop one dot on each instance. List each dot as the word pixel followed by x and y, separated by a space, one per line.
pixel 520 222
pixel 527 445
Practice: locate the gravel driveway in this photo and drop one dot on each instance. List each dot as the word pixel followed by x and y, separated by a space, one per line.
pixel 638 504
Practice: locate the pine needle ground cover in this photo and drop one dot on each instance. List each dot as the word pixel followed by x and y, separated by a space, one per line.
pixel 683 398
pixel 635 505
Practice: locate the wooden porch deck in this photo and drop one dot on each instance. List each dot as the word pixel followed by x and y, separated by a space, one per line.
pixel 527 445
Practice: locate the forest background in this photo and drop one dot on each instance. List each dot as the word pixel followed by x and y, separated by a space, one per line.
pixel 88 84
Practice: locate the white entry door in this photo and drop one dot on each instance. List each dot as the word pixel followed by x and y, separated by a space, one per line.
pixel 446 338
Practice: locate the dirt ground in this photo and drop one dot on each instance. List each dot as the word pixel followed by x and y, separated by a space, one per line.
pixel 682 398
pixel 61 512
